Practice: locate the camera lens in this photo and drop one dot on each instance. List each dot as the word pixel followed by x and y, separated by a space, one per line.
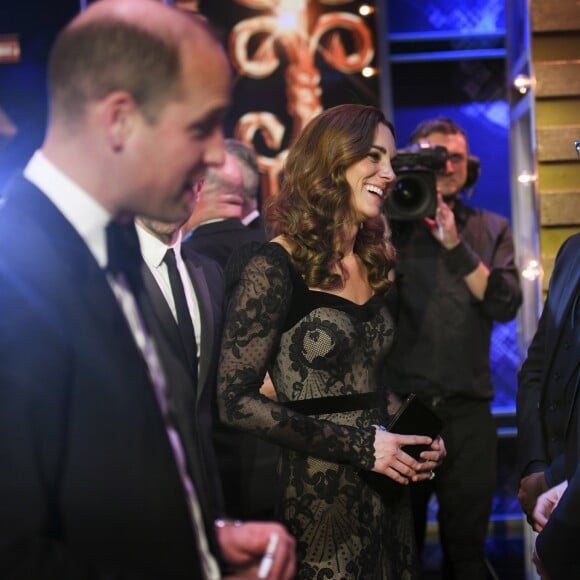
pixel 413 196
pixel 408 193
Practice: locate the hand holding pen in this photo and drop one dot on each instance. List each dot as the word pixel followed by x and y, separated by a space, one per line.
pixel 443 226
pixel 268 557
pixel 262 550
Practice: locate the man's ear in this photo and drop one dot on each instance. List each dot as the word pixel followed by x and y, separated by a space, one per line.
pixel 119 115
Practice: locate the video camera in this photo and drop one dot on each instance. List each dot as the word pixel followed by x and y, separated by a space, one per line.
pixel 414 195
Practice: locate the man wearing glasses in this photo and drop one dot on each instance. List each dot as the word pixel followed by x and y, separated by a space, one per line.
pixel 455 276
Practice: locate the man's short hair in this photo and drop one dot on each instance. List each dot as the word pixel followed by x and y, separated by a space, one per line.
pixel 92 59
pixel 438 125
pixel 249 162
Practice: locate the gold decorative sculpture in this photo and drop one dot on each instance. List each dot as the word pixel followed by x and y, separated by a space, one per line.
pixel 297 28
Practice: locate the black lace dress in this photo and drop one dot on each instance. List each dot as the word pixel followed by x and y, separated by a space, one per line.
pixel 315 344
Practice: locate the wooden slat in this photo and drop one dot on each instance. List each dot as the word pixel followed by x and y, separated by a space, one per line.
pixel 559 176
pixel 560 208
pixel 563 46
pixel 556 143
pixel 555 15
pixel 552 238
pixel 557 79
pixel 558 112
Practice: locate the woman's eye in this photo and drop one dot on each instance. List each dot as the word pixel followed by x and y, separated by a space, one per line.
pixel 374 156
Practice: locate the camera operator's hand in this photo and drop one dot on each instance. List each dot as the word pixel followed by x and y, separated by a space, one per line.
pixel 444 230
pixel 443 226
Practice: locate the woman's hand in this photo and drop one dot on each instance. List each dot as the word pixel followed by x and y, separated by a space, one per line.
pixel 392 461
pixel 432 459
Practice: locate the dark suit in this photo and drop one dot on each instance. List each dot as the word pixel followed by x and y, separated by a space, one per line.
pixel 218 240
pixel 258 224
pixel 548 426
pixel 195 401
pixel 89 485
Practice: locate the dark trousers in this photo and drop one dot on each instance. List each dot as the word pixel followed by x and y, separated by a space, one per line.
pixel 464 486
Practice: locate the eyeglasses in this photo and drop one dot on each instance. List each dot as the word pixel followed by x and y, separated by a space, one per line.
pixel 456 158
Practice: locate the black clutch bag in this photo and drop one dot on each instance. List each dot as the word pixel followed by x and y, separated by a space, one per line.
pixel 412 418
pixel 415 418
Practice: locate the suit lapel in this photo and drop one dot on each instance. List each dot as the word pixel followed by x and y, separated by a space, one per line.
pixel 207 321
pixel 162 312
pixel 563 289
pixel 181 395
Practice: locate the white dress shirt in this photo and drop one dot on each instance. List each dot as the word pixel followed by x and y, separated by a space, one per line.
pixel 153 251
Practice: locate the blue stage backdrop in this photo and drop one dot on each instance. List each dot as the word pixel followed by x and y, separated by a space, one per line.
pixel 448 58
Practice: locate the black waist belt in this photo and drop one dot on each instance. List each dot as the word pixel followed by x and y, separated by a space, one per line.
pixel 339 404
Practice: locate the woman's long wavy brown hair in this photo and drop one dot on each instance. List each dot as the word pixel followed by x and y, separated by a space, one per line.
pixel 314 200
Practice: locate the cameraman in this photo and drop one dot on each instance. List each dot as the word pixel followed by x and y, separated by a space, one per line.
pixel 455 276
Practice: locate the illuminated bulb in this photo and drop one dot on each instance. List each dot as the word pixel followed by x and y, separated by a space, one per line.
pixel 532 270
pixel 526 178
pixel 522 83
pixel 289 14
pixel 365 10
pixel 368 71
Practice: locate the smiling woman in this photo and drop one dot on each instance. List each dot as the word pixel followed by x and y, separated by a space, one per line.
pixel 338 155
pixel 311 309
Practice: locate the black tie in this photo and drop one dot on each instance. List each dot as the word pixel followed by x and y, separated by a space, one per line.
pixel 124 254
pixel 184 321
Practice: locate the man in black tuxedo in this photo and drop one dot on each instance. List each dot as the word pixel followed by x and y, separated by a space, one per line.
pixel 548 421
pixel 186 288
pixel 102 475
pixel 216 219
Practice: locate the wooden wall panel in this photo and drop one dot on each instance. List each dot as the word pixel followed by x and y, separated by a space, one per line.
pixel 555 15
pixel 555 27
pixel 557 78
pixel 559 177
pixel 559 208
pixel 555 143
pixel 565 46
pixel 559 112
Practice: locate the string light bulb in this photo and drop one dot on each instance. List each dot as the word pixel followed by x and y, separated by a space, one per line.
pixel 532 270
pixel 523 83
pixel 365 10
pixel 526 178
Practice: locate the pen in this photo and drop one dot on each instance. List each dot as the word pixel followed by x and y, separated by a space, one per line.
pixel 268 558
pixel 439 228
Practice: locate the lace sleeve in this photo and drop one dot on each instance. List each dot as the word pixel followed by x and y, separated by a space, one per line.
pixel 260 299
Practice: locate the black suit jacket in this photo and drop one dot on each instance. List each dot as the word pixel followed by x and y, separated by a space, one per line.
pixel 258 224
pixel 89 486
pixel 548 411
pixel 218 240
pixel 196 400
